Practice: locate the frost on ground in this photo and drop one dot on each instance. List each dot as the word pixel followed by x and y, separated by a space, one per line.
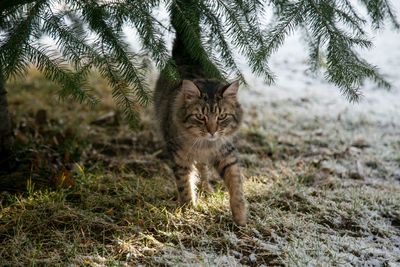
pixel 355 146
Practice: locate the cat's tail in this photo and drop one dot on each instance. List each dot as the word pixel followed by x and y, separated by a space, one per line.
pixel 189 55
pixel 179 51
pixel 180 10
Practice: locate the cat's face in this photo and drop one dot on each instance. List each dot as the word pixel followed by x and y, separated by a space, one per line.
pixel 210 110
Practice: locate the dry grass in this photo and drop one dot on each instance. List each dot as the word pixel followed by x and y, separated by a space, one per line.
pixel 99 194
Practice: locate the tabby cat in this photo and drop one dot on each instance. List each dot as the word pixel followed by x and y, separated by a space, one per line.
pixel 198 118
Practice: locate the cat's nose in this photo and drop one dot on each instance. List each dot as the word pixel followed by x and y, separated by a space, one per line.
pixel 211 128
pixel 212 137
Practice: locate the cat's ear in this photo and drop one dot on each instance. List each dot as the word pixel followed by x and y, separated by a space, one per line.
pixel 231 90
pixel 190 90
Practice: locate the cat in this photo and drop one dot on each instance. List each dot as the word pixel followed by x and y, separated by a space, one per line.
pixel 198 118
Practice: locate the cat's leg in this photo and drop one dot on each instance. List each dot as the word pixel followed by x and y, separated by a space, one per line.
pixel 229 169
pixel 204 178
pixel 185 178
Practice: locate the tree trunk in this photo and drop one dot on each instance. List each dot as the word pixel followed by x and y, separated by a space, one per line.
pixel 6 138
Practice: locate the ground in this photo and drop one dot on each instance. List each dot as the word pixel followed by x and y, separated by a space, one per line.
pixel 322 179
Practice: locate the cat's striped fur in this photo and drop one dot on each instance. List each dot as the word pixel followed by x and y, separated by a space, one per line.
pixel 198 119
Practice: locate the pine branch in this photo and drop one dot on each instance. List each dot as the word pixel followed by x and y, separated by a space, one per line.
pixel 121 93
pixel 128 74
pixel 55 69
pixel 391 14
pixel 315 56
pixel 345 68
pixel 140 16
pixel 70 41
pixel 12 48
pixel 290 18
pixel 350 10
pixel 347 71
pixel 7 5
pixel 126 102
pixel 379 10
pixel 242 39
pixel 351 19
pixel 375 9
pixel 218 42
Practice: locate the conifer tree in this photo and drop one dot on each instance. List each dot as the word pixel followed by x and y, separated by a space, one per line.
pixel 333 28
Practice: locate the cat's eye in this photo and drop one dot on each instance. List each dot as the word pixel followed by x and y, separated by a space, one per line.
pixel 199 116
pixel 222 116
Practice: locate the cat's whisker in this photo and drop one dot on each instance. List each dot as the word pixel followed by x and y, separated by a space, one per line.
pixel 181 136
pixel 195 144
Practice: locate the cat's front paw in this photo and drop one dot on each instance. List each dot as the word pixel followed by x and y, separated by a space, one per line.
pixel 239 213
pixel 206 188
pixel 187 201
pixel 240 219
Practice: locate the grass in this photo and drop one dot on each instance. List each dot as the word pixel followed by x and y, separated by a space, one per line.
pixel 92 192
